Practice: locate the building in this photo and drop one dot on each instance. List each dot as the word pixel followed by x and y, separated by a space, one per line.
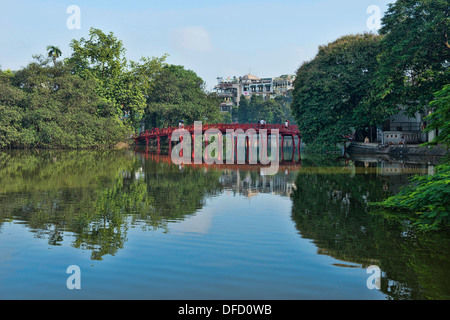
pixel 232 89
pixel 283 84
pixel 401 126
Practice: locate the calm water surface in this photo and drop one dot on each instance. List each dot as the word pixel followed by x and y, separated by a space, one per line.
pixel 139 227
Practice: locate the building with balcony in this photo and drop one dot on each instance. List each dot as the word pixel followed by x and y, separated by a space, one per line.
pixel 231 89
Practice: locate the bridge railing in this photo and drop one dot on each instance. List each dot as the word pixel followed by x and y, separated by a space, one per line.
pixel 292 129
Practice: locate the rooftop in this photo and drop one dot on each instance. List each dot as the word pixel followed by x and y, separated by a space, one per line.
pixel 250 77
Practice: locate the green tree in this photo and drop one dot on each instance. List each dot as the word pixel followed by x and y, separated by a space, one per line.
pixel 255 108
pixel 330 96
pixel 54 53
pixel 413 68
pixel 177 94
pixel 428 197
pixel 415 54
pixel 439 119
pixel 285 111
pixel 11 116
pixel 102 57
pixel 243 111
pixel 146 71
pixel 59 109
pixel 96 97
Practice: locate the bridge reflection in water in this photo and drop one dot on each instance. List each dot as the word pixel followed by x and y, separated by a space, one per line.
pixel 290 161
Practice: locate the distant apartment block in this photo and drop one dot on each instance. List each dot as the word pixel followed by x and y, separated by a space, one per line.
pixel 231 89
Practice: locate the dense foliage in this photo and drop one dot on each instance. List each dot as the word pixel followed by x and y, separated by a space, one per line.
pixel 429 196
pixel 96 97
pixel 46 106
pixel 415 54
pixel 255 108
pixel 330 94
pixel 359 81
pixel 439 119
pixel 177 94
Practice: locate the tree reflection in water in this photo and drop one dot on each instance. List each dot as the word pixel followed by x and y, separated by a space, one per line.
pixel 97 196
pixel 331 207
pixel 93 198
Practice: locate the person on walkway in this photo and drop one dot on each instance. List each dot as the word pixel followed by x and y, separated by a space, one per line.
pixel 286 124
pixel 366 140
pixel 180 124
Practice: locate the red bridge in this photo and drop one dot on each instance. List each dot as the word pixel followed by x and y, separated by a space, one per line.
pixel 156 134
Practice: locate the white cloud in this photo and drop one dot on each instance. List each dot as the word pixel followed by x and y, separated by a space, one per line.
pixel 192 39
pixel 199 223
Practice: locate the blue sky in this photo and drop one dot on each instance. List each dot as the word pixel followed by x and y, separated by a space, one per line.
pixel 213 38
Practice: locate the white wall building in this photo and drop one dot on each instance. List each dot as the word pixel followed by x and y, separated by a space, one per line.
pixel 231 89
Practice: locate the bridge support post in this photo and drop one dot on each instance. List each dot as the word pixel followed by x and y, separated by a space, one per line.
pixel 247 147
pixel 219 157
pixel 193 146
pixel 293 147
pixel 250 149
pixel 235 141
pixel 170 143
pixel 182 150
pixel 263 148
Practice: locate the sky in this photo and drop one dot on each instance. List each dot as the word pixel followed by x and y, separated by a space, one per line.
pixel 213 38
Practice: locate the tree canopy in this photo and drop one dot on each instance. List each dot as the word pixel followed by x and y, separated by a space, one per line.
pixel 47 106
pixel 177 94
pixel 54 53
pixel 330 91
pixel 439 119
pixel 362 80
pixel 102 57
pixel 255 108
pixel 415 55
pixel 96 98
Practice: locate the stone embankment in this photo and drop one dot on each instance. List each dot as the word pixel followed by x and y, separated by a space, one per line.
pixel 395 149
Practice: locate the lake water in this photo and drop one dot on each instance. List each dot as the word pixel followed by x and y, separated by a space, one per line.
pixel 139 227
